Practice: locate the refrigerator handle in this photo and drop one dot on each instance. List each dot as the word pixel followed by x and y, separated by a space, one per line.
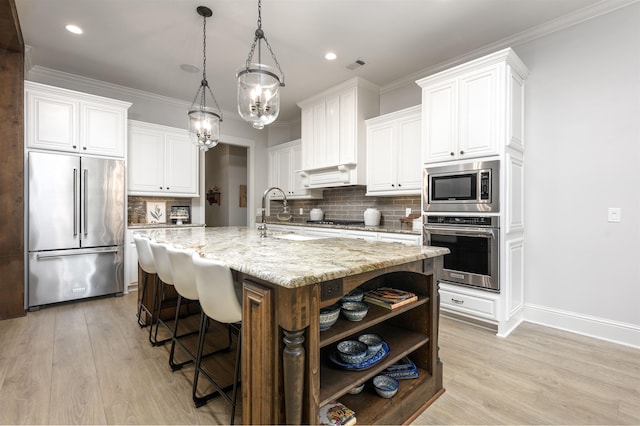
pixel 86 203
pixel 75 202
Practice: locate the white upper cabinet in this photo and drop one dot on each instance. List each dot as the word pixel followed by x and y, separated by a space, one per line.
pixel 393 153
pixel 162 161
pixel 473 110
pixel 64 120
pixel 334 134
pixel 285 161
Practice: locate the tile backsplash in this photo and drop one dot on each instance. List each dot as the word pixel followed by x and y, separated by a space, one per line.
pixel 137 207
pixel 349 203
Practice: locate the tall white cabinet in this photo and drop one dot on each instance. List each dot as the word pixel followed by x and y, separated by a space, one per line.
pixel 334 134
pixel 162 161
pixel 476 110
pixel 65 120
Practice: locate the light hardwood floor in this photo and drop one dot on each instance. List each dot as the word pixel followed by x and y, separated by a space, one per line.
pixel 89 363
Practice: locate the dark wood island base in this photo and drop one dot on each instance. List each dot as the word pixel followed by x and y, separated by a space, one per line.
pixel 283 336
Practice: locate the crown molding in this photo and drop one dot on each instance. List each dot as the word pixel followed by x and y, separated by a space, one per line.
pixel 64 79
pixel 597 9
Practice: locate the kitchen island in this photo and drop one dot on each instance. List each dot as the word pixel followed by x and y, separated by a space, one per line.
pixel 287 374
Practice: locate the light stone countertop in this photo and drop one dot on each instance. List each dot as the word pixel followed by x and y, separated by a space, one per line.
pixel 291 263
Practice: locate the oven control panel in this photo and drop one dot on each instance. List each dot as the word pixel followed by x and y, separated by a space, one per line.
pixel 488 221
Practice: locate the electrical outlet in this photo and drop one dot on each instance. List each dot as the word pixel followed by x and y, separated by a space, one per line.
pixel 614 214
pixel 407 211
pixel 301 211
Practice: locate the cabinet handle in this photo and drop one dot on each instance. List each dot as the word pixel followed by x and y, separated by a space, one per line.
pixel 461 152
pixel 451 153
pixel 456 301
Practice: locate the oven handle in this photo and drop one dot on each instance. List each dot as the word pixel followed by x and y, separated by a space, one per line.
pixel 491 232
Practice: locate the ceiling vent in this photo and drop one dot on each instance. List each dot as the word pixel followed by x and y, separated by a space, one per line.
pixel 357 64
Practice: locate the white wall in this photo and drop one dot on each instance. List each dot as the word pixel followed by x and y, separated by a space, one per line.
pixel 582 157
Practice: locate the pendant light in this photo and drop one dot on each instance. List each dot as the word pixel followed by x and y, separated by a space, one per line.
pixel 259 84
pixel 204 119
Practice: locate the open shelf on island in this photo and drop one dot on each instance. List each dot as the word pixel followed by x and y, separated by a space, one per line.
pixel 376 315
pixel 337 381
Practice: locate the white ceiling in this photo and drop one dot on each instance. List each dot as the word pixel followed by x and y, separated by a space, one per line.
pixel 142 43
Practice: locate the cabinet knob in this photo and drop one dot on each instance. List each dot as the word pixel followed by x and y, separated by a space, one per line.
pixel 452 154
pixel 84 147
pixel 167 188
pixel 393 185
pixel 461 152
pixel 160 187
pixel 74 147
pixel 399 185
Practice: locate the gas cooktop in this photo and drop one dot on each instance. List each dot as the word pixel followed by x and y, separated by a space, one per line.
pixel 337 222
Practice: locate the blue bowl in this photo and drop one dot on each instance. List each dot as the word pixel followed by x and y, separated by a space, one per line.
pixel 329 316
pixel 354 295
pixel 385 386
pixel 373 342
pixel 355 311
pixel 352 351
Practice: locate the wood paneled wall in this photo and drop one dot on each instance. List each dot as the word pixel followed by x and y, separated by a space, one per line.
pixel 11 163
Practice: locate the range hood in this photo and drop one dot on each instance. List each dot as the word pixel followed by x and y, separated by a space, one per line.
pixel 332 176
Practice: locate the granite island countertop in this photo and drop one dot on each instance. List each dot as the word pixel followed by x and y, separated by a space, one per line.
pixel 291 263
pixel 391 227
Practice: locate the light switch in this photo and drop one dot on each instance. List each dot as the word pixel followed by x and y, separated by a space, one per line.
pixel 614 214
pixel 407 211
pixel 301 211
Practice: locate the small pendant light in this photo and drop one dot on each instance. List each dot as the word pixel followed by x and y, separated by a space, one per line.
pixel 204 120
pixel 259 84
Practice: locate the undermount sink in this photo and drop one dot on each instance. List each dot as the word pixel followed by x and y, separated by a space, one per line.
pixel 296 237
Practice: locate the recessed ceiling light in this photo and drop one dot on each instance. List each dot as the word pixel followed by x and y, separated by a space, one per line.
pixel 74 29
pixel 330 56
pixel 189 68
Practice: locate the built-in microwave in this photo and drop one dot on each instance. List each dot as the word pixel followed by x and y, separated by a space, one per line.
pixel 466 187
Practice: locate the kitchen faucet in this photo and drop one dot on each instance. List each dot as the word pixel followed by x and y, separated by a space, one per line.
pixel 263 227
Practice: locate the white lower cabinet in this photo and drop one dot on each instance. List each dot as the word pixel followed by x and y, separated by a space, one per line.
pixel 410 239
pixel 469 302
pixel 130 262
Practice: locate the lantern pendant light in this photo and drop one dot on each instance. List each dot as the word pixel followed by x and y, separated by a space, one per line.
pixel 204 119
pixel 259 84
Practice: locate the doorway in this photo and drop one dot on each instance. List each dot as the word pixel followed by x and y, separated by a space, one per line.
pixel 226 174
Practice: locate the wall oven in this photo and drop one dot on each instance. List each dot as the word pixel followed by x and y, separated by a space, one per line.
pixel 473 242
pixel 466 187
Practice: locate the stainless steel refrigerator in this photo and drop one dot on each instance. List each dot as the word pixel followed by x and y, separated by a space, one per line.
pixel 75 226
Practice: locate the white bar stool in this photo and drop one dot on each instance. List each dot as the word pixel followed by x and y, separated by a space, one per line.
pixel 148 266
pixel 219 302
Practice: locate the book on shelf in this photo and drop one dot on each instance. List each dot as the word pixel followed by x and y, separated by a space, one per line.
pixel 336 413
pixel 390 298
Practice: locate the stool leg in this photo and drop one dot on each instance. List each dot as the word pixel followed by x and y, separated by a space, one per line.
pixel 154 309
pixel 143 294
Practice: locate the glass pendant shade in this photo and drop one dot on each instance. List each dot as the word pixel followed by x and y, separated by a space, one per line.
pixel 258 94
pixel 204 128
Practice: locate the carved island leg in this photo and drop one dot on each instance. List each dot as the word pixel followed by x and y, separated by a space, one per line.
pixel 293 357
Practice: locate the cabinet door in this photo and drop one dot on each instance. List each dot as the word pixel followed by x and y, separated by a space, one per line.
pixel 52 122
pixel 409 173
pixel 102 129
pixel 478 114
pixel 146 160
pixel 296 164
pixel 307 134
pixel 381 169
pixel 348 128
pixel 333 136
pixel 440 122
pixel 319 139
pixel 181 164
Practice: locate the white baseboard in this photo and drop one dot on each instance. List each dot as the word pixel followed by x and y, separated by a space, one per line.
pixel 599 328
